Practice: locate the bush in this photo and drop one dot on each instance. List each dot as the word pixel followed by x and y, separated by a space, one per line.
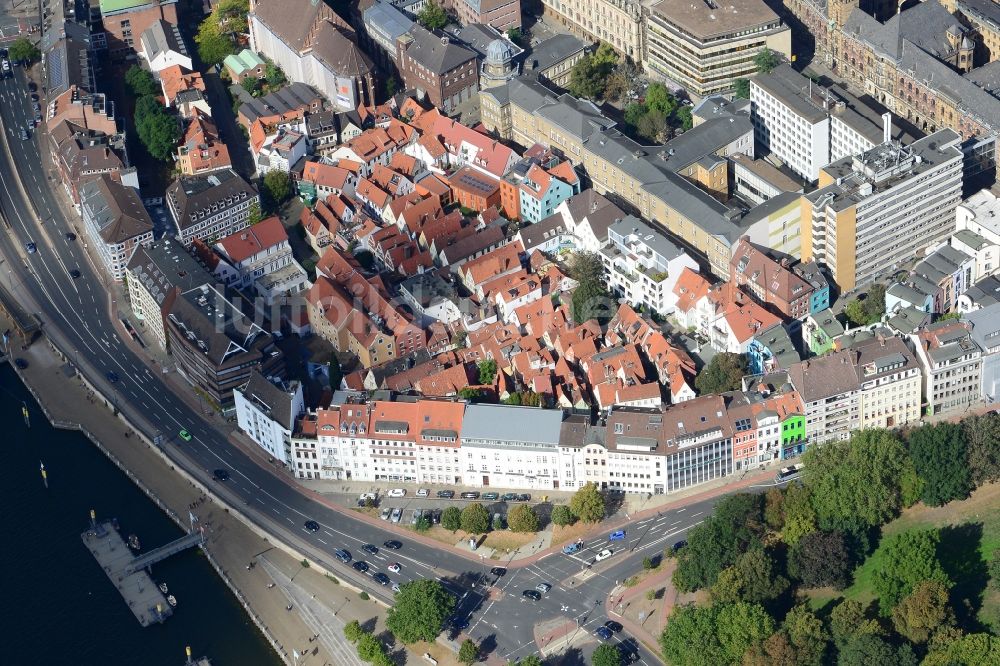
pixel 647 563
pixel 588 504
pixel 522 518
pixel 364 595
pixel 353 631
pixel 451 518
pixel 562 516
pixel 423 524
pixel 468 654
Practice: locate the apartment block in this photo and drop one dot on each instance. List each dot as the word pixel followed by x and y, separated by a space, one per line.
pixel 617 22
pixel 874 211
pixel 705 46
pixel 211 206
pixel 952 366
pixel 792 290
pixel 266 411
pixel 977 232
pixel 115 221
pixel 985 324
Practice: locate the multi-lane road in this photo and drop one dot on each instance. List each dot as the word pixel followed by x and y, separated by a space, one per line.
pixel 77 314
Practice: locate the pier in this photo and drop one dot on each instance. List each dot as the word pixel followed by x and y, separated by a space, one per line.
pixel 128 572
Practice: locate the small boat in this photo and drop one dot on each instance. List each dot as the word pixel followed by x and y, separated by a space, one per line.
pixel 133 542
pixel 171 600
pixel 163 588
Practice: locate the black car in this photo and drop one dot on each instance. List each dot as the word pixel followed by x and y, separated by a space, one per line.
pixel 491 496
pixel 436 516
pixel 509 497
pixel 677 546
pixel 70 236
pixel 381 578
pixel 524 497
pixel 392 545
pixel 342 555
pixel 75 274
pixel 32 87
pixel 370 549
pixel 628 655
pixel 498 571
pixel 30 247
pixel 534 595
pixel 446 494
pixel 470 495
pixel 20 363
pixel 459 623
pixel 360 566
pixel 613 626
pixel 112 377
pixel 223 475
pixel 312 526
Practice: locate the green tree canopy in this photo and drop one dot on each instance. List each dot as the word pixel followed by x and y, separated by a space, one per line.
pixel 606 654
pixel 660 100
pixel 969 650
pixel 451 518
pixel 231 16
pixel 869 310
pixel 274 76
pixel 923 612
pixel 587 503
pixel 939 455
pixel 353 631
pixel 277 188
pixel 487 371
pixel 475 519
pixel 904 561
pixel 140 82
pixel 821 559
pixel 522 518
pixel 468 654
pixel 591 299
pixel 766 60
pixel 590 75
pixel 156 128
pixel 742 89
pixel 858 481
pixel 872 650
pixel 683 119
pixel 799 514
pixel 752 578
pixel 723 373
pixel 734 527
pixel 806 634
pixel 433 16
pixel 982 437
pixel 419 610
pixel 562 515
pixel 213 45
pixel 851 618
pixel 23 49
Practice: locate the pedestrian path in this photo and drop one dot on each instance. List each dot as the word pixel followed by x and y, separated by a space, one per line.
pixel 317 616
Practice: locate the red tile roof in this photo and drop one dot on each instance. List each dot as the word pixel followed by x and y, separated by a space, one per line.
pixel 244 244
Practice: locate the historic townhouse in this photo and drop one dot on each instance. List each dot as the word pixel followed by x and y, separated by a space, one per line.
pixel 952 366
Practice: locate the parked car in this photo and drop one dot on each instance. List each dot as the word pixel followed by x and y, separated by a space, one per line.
pixel 678 545
pixel 604 554
pixel 392 545
pixel 524 497
pixel 30 247
pixel 471 495
pixel 417 515
pixel 397 515
pixel 397 492
pixel 342 555
pixel 603 633
pixel 395 588
pixel 423 492
pixel 20 363
pixel 381 578
pixel 370 549
pixel 618 535
pixel 386 512
pixel 312 526
pixel 491 496
pixel 569 549
pixel 446 494
pixel 435 516
pixel 509 497
pixel 534 595
pixel 543 587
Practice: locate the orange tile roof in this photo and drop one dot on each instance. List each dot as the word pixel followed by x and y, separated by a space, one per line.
pixel 325 175
pixel 689 289
pixel 175 79
pixel 403 163
pixel 371 192
pixel 501 260
pixel 242 245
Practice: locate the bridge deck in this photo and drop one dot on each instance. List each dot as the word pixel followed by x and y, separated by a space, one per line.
pixel 163 552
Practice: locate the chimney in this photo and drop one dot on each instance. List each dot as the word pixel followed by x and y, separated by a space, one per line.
pixel 886 127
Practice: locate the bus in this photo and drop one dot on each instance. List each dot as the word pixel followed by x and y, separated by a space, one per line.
pixel 787 473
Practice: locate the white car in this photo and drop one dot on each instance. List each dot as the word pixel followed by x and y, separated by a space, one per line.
pixel 397 492
pixel 423 492
pixel 386 512
pixel 604 554
pixel 394 567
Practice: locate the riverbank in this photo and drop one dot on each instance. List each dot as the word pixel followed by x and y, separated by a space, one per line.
pixel 230 544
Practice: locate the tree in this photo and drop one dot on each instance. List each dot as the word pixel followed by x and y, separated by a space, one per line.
pixel 514 35
pixel 587 503
pixel 251 84
pixel 872 650
pixel 451 518
pixel 850 618
pixel 856 482
pixel 968 650
pixel 752 578
pixel 213 45
pixel 562 515
pixel 23 50
pixel 277 187
pixel 869 310
pixel 723 373
pixel 273 75
pixel 993 569
pixel 806 634
pixel 391 86
pixel 939 455
pixel 353 631
pixel 800 517
pixel 774 508
pixel 766 60
pixel 487 371
pixel 821 559
pixel 855 312
pixel 336 373
pixel 255 215
pixel 419 610
pixel 683 119
pixel 653 127
pixel 734 527
pixel 530 660
pixel 157 129
pixel 907 559
pixel 433 16
pixel 140 82
pixel 370 649
pixel 522 518
pixel 690 637
pixel 606 655
pixel 231 16
pixel 468 654
pixel 740 627
pixel 660 100
pixel 591 299
pixel 923 612
pixel 982 437
pixel 742 89
pixel 475 519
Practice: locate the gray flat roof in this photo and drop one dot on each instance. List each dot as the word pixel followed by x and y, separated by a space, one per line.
pixel 529 425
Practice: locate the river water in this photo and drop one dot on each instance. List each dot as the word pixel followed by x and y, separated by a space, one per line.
pixel 56 604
